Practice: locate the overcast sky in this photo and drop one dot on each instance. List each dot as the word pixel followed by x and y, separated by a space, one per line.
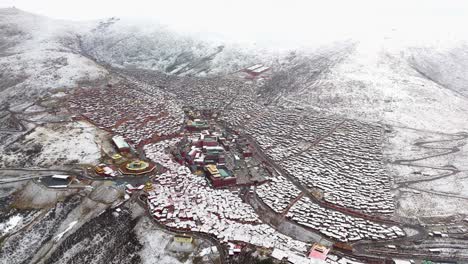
pixel 325 19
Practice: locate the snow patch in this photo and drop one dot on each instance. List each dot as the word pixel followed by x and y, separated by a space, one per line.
pixel 10 224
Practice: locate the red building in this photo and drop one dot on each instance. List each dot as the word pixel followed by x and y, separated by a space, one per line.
pixel 219 176
pixel 247 152
pixel 208 141
pixel 220 183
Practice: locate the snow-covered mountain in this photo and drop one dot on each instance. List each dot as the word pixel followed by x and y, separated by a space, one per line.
pixel 132 44
pixel 38 54
pixel 407 87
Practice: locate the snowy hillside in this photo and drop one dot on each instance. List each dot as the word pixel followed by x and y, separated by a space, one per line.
pixel 151 46
pixel 446 66
pixel 37 54
pixel 401 88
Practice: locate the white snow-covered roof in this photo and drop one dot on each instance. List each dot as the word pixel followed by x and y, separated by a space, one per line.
pixel 61 177
pixel 253 67
pixel 58 186
pixel 261 69
pixel 120 142
pixel 278 254
pixel 401 261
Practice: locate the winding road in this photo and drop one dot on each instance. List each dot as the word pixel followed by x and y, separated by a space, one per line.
pixel 364 248
pixel 444 151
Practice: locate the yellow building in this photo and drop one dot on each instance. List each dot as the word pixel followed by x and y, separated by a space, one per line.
pixel 213 170
pixel 183 239
pixel 137 165
pixel 116 157
pixel 149 186
pixel 98 169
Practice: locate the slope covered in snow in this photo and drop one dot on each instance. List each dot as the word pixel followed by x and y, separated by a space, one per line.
pixel 446 66
pixel 146 45
pixel 54 144
pixel 379 85
pixel 38 53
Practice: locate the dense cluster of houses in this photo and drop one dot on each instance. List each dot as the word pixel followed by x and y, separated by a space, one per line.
pixel 128 111
pixel 285 134
pixel 347 167
pixel 199 93
pixel 341 159
pixel 244 110
pixel 184 201
pixel 278 193
pixel 340 226
pixel 285 198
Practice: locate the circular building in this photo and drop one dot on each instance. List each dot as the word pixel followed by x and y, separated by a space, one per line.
pixel 136 167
